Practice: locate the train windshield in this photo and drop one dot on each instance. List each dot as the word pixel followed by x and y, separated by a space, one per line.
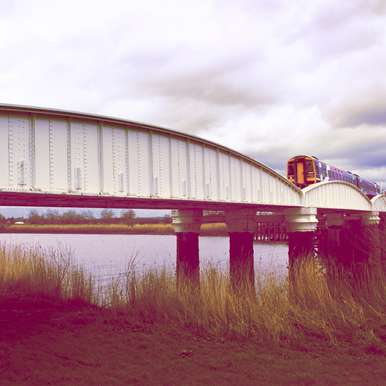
pixel 309 167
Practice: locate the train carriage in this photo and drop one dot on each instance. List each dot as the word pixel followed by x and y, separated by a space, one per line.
pixel 305 170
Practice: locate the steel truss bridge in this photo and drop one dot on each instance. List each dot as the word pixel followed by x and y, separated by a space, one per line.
pixel 68 159
pixel 57 158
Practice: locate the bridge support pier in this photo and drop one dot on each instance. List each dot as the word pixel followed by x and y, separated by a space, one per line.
pixel 372 242
pixel 301 226
pixel 186 224
pixel 322 236
pixel 354 247
pixel 242 227
pixel 337 249
pixel 382 237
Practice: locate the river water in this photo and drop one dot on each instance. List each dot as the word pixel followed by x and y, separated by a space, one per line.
pixel 107 256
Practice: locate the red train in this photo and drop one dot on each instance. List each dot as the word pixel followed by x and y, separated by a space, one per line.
pixel 305 170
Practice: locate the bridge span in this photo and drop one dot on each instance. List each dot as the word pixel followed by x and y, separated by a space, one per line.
pixel 58 158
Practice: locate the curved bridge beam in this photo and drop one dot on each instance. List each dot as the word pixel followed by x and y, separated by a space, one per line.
pixel 379 203
pixel 336 195
pixel 50 152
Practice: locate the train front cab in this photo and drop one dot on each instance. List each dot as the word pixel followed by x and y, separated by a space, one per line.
pixel 302 171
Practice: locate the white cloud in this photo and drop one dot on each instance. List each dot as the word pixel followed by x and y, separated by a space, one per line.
pixel 269 78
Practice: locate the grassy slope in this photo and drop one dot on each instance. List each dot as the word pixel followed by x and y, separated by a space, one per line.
pixel 148 333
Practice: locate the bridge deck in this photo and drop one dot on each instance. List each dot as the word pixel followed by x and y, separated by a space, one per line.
pixel 60 158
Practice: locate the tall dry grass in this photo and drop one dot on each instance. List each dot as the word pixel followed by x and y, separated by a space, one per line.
pixel 26 271
pixel 276 310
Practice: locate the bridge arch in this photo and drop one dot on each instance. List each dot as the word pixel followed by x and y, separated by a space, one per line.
pixel 336 195
pixel 61 152
pixel 379 203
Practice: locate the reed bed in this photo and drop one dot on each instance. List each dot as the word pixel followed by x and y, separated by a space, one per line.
pixel 214 229
pixel 275 310
pixel 26 271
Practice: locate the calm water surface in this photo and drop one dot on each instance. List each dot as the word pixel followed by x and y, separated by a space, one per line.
pixel 108 255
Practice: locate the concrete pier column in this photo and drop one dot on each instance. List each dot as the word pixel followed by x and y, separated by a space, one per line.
pixel 186 224
pixel 382 239
pixel 322 236
pixel 301 227
pixel 241 226
pixel 372 241
pixel 362 254
pixel 337 249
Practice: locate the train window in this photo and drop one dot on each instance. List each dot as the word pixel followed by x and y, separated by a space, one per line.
pixel 308 167
pixel 323 171
pixel 318 169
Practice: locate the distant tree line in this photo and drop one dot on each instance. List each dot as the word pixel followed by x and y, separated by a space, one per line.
pixel 107 216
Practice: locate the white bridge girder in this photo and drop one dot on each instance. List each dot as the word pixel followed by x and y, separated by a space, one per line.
pixel 56 152
pixel 67 157
pixel 379 203
pixel 338 195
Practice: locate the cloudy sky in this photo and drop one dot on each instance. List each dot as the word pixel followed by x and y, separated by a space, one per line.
pixel 268 78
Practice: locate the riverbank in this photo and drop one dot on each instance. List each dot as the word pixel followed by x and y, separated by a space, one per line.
pixel 73 344
pixel 58 327
pixel 135 229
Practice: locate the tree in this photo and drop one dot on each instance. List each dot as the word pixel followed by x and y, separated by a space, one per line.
pixel 128 216
pixel 35 218
pixel 52 216
pixel 70 217
pixel 107 215
pixel 88 216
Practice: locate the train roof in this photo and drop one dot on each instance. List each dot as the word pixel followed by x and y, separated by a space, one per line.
pixel 304 155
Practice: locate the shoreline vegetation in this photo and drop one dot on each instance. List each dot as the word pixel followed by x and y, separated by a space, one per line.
pixel 143 330
pixel 214 229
